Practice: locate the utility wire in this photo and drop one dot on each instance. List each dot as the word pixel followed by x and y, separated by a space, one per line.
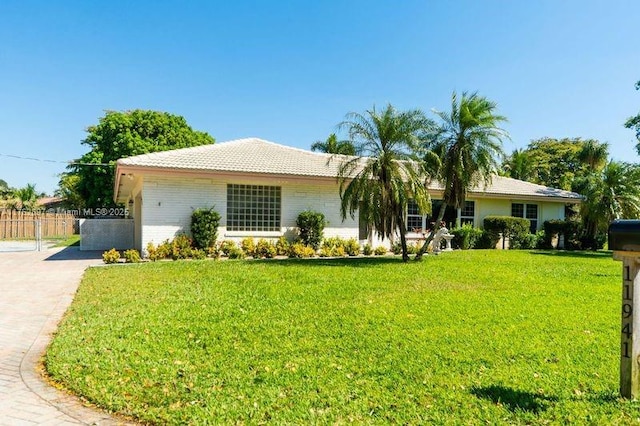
pixel 70 163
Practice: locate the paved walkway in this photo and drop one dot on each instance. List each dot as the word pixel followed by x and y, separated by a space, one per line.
pixel 36 288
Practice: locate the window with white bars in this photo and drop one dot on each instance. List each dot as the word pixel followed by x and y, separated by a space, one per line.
pixel 253 207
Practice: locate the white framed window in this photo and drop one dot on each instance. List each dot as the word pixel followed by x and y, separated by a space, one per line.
pixel 527 211
pixel 468 213
pixel 415 221
pixel 254 208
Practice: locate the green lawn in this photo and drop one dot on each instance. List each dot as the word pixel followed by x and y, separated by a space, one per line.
pixel 475 337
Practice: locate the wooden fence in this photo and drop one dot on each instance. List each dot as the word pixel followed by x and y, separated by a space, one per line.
pixel 16 224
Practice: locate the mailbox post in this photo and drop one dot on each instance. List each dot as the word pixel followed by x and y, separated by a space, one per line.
pixel 624 240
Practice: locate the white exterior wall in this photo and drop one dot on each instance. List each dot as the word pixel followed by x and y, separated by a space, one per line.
pixel 167 204
pixel 502 207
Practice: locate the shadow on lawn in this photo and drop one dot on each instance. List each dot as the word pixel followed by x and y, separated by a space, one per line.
pixel 514 400
pixel 578 254
pixel 352 262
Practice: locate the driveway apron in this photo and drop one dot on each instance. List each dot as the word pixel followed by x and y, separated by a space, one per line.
pixel 36 288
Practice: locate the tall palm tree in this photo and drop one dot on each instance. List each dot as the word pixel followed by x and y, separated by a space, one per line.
pixel 379 183
pixel 333 146
pixel 519 165
pixel 612 193
pixel 469 144
pixel 594 154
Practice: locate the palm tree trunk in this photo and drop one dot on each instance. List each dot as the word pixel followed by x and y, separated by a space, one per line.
pixel 403 239
pixel 423 249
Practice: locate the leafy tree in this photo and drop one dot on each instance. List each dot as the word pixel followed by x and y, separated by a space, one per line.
pixel 123 134
pixel 634 123
pixel 469 145
pixel 611 193
pixel 380 184
pixel 68 190
pixel 557 161
pixel 5 190
pixel 333 146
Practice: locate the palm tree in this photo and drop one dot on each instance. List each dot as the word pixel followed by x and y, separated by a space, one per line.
pixel 333 146
pixel 612 193
pixel 380 183
pixel 519 165
pixel 27 196
pixel 469 144
pixel 594 154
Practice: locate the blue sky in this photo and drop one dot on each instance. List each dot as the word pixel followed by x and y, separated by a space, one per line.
pixel 289 71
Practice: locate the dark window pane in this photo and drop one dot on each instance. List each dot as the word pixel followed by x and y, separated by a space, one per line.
pixel 517 210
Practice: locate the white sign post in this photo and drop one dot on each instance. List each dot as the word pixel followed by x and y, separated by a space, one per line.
pixel 630 324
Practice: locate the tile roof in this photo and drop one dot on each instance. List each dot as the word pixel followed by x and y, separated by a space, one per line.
pixel 253 155
pixel 250 155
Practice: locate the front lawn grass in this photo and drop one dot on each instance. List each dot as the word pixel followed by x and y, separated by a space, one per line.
pixel 473 337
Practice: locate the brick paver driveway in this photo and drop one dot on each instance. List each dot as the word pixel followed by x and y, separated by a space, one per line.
pixel 35 290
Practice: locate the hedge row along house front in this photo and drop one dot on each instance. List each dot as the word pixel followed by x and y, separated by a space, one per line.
pixel 259 188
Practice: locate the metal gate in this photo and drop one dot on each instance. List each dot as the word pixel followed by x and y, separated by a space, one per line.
pixel 20 235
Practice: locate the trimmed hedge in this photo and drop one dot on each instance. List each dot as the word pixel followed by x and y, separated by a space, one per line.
pixel 571 230
pixel 514 228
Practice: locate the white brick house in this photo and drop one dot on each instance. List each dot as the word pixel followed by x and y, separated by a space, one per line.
pixel 260 187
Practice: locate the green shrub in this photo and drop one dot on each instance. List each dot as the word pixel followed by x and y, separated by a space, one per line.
pixel 367 250
pixel 325 252
pixel 132 256
pixel 164 249
pixel 235 252
pixel 333 242
pixel 265 248
pixel 227 246
pixel 509 227
pixel 181 247
pixel 380 251
pixel 352 247
pixel 524 242
pixel 198 254
pixel 487 240
pixel 111 256
pixel 466 237
pixel 338 251
pixel 282 246
pixel 396 248
pixel 570 229
pixel 213 252
pixel 593 243
pixel 248 245
pixel 204 227
pixel 152 252
pixel 311 228
pixel 299 250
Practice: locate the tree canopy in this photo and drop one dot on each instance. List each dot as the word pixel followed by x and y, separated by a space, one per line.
pixel 334 146
pixel 634 123
pixel 123 134
pixel 551 162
